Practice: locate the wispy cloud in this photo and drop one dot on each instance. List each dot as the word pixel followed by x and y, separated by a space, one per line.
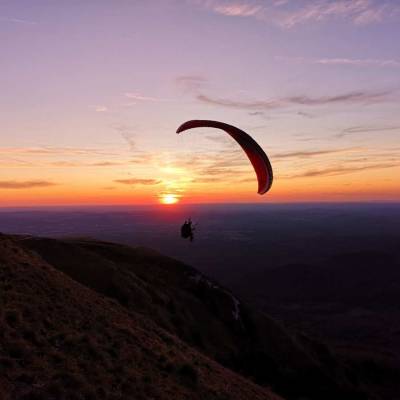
pixel 101 109
pixel 365 129
pixel 359 62
pixel 7 162
pixel 288 14
pixel 360 12
pixel 130 139
pixel 305 114
pixel 17 21
pixel 25 184
pixel 357 97
pixel 260 104
pixel 311 153
pixel 105 164
pixel 221 139
pixel 230 163
pixel 139 97
pixel 127 133
pixel 340 170
pixel 137 181
pixel 256 113
pixel 47 150
pixel 243 8
pixel 191 83
pixel 64 164
pixel 238 9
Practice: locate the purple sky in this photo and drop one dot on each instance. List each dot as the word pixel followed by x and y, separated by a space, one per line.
pixel 104 85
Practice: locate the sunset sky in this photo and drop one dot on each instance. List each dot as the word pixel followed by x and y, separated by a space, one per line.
pixel 92 93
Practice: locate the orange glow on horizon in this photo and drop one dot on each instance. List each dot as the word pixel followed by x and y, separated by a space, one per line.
pixel 102 189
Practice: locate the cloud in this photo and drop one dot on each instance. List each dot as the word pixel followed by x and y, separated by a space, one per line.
pixel 230 163
pixel 369 16
pixel 365 129
pixel 101 109
pixel 140 97
pixel 127 133
pixel 212 166
pixel 267 104
pixel 243 8
pixel 287 14
pixel 340 170
pixel 14 162
pixel 137 181
pixel 208 180
pixel 221 139
pixel 359 97
pixel 356 97
pixel 17 21
pixel 237 9
pixel 223 177
pixel 47 150
pixel 105 164
pixel 256 113
pixel 310 153
pixel 129 138
pixel 191 83
pixel 360 12
pixel 65 164
pixel 223 171
pixel 25 184
pixel 303 137
pixel 359 62
pixel 358 129
pixel 305 114
pixel 142 158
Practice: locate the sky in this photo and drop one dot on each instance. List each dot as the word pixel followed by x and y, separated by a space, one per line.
pixel 92 93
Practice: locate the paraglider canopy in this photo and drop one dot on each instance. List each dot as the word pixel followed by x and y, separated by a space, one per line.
pixel 254 152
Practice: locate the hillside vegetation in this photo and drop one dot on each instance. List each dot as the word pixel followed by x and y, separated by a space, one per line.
pixel 62 340
pixel 90 319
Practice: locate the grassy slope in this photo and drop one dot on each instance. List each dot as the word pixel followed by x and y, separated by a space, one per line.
pixel 200 312
pixel 61 340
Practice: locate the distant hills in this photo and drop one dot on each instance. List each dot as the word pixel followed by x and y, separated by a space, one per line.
pixel 350 300
pixel 89 319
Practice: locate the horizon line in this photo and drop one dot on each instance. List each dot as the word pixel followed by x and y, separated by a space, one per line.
pixel 183 205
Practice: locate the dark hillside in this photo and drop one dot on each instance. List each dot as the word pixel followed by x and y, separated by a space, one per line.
pixel 203 314
pixel 61 340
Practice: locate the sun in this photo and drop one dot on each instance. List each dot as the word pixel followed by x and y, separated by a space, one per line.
pixel 169 198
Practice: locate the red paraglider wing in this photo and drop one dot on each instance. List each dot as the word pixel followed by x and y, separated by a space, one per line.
pixel 254 152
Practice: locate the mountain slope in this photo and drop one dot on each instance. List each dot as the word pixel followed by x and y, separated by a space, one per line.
pixel 61 340
pixel 203 314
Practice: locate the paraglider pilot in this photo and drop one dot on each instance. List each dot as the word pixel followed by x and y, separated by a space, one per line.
pixel 187 230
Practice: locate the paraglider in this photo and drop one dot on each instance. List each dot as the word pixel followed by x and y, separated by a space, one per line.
pixel 254 152
pixel 187 230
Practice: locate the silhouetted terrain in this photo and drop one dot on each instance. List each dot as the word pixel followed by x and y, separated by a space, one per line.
pixel 351 300
pixel 329 274
pixel 231 240
pixel 58 335
pixel 61 340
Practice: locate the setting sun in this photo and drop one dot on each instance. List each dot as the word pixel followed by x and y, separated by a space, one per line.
pixel 169 199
